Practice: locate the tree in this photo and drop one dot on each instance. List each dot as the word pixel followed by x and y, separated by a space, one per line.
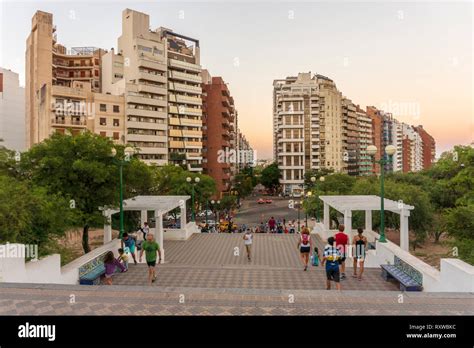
pixel 80 169
pixel 270 177
pixel 29 215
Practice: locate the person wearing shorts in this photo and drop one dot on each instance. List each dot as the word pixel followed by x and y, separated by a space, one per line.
pixel 304 246
pixel 360 243
pixel 129 242
pixel 248 239
pixel 342 240
pixel 151 248
pixel 331 259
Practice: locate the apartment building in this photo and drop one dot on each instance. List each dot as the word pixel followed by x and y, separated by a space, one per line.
pixel 307 117
pixel 415 154
pixel 184 98
pixel 376 117
pixel 63 87
pixel 220 153
pixel 429 147
pixel 364 124
pixel 350 137
pixel 12 111
pixel 247 156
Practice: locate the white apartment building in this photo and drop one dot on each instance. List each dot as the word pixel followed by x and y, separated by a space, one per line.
pixel 397 141
pixel 364 160
pixel 307 122
pixel 12 111
pixel 416 147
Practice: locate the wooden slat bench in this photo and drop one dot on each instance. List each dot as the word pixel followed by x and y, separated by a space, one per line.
pixel 409 278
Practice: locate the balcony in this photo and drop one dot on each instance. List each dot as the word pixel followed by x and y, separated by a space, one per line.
pixel 180 87
pixel 184 65
pixel 143 75
pixel 68 122
pixel 177 75
pixel 184 99
pixel 152 64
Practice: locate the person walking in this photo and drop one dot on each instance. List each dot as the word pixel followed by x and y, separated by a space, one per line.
pixel 341 244
pixel 360 244
pixel 331 257
pixel 304 246
pixel 129 243
pixel 151 248
pixel 248 239
pixel 145 230
pixel 111 264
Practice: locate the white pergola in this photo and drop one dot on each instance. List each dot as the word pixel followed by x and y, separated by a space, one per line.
pixel 347 204
pixel 159 204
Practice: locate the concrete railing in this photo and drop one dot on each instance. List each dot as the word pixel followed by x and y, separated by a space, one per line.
pixel 181 234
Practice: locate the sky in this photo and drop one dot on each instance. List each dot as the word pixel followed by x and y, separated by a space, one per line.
pixel 414 59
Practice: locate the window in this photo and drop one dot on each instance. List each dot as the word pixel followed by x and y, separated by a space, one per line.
pixel 103 134
pixel 116 108
pixel 96 72
pixel 103 107
pixel 103 121
pixel 116 122
pixel 116 136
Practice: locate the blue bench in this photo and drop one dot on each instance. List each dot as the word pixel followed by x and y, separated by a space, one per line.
pixel 408 277
pixel 90 272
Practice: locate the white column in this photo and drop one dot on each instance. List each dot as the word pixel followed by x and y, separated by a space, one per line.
pixel 107 225
pixel 368 220
pixel 326 217
pixel 404 236
pixel 159 232
pixel 143 216
pixel 348 223
pixel 183 217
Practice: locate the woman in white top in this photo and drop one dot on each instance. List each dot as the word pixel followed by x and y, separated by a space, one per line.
pixel 248 238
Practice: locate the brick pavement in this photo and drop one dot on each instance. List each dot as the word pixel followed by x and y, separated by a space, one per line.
pixel 204 272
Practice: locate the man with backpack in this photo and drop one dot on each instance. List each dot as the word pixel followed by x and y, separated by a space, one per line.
pixel 304 246
pixel 129 243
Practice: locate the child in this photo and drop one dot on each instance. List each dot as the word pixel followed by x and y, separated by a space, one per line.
pixel 110 264
pixel 315 257
pixel 123 258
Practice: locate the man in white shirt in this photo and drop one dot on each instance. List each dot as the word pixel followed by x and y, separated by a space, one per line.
pixel 248 238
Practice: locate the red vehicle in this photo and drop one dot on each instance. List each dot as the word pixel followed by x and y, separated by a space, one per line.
pixel 268 201
pixel 261 201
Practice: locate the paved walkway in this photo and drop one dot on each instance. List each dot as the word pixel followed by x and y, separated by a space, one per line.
pixel 202 276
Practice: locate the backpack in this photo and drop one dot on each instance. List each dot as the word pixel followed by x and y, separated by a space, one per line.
pixel 305 239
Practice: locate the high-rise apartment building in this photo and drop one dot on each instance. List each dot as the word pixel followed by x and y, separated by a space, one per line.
pixel 160 74
pixel 12 111
pixel 219 115
pixel 63 88
pixel 377 139
pixel 350 136
pixel 429 147
pixel 307 117
pixel 364 160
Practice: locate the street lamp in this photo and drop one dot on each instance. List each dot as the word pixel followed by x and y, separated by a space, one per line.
pixel 390 151
pixel 299 208
pixel 308 195
pixel 216 212
pixel 129 151
pixel 313 180
pixel 196 181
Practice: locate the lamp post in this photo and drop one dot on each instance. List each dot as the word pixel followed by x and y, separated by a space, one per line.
pixel 196 181
pixel 216 213
pixel 129 151
pixel 299 208
pixel 308 196
pixel 313 180
pixel 390 151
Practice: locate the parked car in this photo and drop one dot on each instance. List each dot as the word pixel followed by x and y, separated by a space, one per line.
pixel 268 201
pixel 171 217
pixel 261 201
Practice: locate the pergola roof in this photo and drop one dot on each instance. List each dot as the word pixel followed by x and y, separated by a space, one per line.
pixel 163 204
pixel 344 203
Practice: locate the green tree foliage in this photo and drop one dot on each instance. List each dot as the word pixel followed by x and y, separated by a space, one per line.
pixel 270 177
pixel 80 169
pixel 29 215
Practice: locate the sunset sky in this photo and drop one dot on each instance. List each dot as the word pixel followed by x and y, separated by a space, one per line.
pixel 408 56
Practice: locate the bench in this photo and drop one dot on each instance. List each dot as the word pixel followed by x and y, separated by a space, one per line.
pixel 409 278
pixel 90 272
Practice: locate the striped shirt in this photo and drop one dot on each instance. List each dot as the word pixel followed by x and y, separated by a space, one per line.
pixel 331 253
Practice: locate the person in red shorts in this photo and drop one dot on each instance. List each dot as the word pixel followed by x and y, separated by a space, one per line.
pixel 341 244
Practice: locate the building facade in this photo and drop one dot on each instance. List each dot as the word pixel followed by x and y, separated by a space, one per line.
pixel 12 111
pixel 63 87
